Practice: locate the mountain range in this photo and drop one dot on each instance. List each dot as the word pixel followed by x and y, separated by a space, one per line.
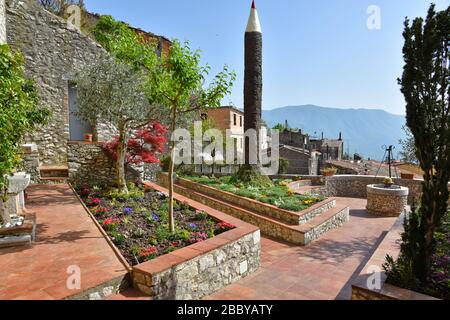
pixel 365 131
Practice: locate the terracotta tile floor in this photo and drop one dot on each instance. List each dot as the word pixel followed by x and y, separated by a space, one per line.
pixel 66 236
pixel 323 270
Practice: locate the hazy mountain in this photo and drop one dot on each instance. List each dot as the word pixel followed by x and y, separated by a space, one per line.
pixel 364 130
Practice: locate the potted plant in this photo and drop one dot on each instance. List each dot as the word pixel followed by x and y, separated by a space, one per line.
pixel 388 182
pixel 329 172
pixel 407 176
pixel 88 137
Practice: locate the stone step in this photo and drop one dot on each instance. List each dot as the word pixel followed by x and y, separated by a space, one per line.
pixel 269 226
pixel 277 229
pixel 55 179
pixel 54 172
pixel 266 210
pixel 14 241
pixel 328 220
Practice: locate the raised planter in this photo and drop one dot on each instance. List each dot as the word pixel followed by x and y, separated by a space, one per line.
pixel 389 202
pixel 268 210
pixel 299 228
pixel 371 284
pixel 199 269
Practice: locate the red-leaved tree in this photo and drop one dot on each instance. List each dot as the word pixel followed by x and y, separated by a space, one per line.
pixel 143 145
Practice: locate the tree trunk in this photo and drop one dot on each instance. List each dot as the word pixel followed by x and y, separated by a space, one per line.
pixel 120 163
pixel 171 170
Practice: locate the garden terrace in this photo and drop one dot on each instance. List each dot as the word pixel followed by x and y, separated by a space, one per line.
pixel 300 228
pixel 389 246
pixel 209 249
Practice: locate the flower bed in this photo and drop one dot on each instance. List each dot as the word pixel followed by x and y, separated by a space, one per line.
pixel 137 222
pixel 278 195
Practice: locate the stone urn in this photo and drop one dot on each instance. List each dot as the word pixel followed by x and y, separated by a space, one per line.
pixel 15 204
pixel 386 201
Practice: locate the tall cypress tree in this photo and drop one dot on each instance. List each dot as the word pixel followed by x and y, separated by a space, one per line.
pixel 425 85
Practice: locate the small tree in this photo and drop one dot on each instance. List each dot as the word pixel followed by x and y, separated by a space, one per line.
pixel 142 146
pixel 19 113
pixel 425 85
pixel 408 154
pixel 177 82
pixel 114 93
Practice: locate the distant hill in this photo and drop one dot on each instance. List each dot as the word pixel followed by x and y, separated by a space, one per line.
pixel 366 130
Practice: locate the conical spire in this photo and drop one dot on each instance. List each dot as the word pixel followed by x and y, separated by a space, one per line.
pixel 253 21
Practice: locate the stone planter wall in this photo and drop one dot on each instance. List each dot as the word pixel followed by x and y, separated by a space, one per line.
pixel 288 217
pixel 202 268
pixel 89 164
pixel 356 186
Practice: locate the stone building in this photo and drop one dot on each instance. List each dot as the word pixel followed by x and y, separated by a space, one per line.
pixel 54 51
pixel 229 118
pixel 330 149
pixel 301 161
pixel 295 139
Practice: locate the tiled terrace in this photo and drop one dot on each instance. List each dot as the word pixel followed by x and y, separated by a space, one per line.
pixel 323 270
pixel 66 236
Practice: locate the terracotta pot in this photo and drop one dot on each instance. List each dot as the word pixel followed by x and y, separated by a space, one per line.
pixel 88 137
pixel 407 176
pixel 328 174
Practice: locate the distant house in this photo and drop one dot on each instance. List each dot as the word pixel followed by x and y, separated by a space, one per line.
pixel 301 161
pixel 229 118
pixel 55 51
pixel 329 148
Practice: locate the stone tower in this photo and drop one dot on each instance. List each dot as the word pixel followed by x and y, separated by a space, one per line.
pixel 253 81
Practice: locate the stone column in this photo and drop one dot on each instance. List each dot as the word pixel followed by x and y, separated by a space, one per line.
pixel 2 22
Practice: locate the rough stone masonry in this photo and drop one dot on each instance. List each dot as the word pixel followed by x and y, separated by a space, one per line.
pixel 2 22
pixel 54 52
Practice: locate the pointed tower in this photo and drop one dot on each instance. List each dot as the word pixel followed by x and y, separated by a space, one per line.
pixel 253 82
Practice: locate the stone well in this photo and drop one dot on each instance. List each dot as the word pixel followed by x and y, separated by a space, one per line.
pixel 389 202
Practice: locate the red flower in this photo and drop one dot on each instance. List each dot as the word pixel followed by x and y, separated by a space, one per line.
pixel 94 201
pixel 110 221
pixel 225 226
pixel 147 252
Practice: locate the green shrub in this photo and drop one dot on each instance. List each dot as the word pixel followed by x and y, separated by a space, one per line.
pixel 284 166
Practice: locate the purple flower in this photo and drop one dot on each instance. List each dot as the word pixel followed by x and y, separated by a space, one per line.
pixel 193 226
pixel 128 211
pixel 155 217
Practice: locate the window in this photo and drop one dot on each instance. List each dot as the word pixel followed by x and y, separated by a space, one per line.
pixel 241 121
pixel 235 119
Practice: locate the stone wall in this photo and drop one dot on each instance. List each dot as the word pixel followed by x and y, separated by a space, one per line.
pixel 202 275
pixel 54 52
pixel 2 22
pixel 355 186
pixel 90 164
pixel 386 202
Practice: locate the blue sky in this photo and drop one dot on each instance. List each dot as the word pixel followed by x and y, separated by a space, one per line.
pixel 315 52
